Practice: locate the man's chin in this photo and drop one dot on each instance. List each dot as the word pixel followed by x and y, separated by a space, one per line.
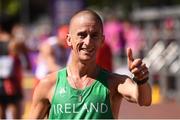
pixel 87 59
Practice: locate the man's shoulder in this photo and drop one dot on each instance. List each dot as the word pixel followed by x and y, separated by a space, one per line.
pixel 45 86
pixel 52 77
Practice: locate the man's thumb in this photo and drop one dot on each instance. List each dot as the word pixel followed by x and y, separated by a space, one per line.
pixel 130 58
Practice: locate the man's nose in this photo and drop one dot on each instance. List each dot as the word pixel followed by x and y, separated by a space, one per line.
pixel 87 40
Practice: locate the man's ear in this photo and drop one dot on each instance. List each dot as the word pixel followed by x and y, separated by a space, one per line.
pixel 68 40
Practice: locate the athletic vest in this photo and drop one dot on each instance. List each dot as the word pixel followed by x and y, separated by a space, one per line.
pixel 93 102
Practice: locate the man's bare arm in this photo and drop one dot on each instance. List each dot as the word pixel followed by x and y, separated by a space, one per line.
pixel 144 94
pixel 40 104
pixel 138 91
pixel 132 92
pixel 42 97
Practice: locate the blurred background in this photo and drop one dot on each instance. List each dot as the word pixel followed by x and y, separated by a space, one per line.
pixel 150 28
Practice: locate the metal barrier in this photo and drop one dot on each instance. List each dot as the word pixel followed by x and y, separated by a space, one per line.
pixel 165 61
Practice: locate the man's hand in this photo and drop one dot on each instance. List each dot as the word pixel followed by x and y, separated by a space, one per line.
pixel 136 66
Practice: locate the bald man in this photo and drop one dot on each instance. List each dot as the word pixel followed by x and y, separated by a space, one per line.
pixel 83 90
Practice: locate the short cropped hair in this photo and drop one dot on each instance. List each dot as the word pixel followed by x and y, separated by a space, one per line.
pixel 90 12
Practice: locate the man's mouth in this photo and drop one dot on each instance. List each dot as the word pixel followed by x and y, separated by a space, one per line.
pixel 87 50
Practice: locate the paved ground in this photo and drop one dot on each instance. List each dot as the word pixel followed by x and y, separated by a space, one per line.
pixel 168 110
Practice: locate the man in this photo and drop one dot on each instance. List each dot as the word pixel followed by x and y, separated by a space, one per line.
pixel 11 93
pixel 53 54
pixel 83 90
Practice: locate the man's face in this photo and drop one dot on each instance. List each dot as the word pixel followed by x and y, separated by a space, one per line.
pixel 86 37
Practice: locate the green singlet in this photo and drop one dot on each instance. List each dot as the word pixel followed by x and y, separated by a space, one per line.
pixel 93 102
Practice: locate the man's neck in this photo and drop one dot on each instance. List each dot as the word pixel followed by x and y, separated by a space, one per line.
pixel 80 69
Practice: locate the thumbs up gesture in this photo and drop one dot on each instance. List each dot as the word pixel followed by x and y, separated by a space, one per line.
pixel 137 67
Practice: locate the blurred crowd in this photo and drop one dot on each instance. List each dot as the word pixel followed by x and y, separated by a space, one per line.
pixel 40 49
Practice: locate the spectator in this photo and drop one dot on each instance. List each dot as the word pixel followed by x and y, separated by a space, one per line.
pixel 10 78
pixel 53 54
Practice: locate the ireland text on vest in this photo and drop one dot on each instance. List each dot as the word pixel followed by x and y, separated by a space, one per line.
pixel 72 108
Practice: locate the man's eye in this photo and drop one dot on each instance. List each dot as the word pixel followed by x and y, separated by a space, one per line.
pixel 82 35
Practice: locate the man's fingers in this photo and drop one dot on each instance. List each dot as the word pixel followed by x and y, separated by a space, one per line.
pixel 136 66
pixel 136 63
pixel 141 72
pixel 136 70
pixel 130 58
